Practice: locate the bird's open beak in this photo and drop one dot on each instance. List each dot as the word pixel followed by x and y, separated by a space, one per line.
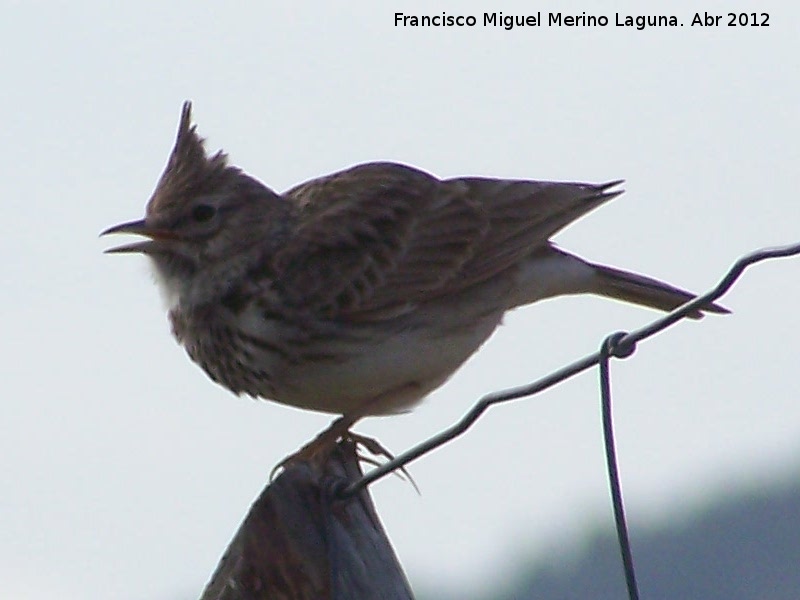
pixel 139 227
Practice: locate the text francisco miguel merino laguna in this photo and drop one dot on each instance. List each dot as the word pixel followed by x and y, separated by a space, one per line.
pixel 498 19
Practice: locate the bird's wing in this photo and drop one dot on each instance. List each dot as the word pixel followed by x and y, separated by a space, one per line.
pixel 380 238
pixel 523 216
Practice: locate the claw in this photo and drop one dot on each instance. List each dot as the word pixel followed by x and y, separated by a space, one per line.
pixel 374 447
pixel 317 452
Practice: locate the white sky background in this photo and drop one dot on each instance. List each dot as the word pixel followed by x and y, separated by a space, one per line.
pixel 125 471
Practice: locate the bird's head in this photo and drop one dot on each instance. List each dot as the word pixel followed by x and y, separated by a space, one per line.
pixel 207 222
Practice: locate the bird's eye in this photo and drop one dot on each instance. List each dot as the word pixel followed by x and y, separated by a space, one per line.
pixel 202 213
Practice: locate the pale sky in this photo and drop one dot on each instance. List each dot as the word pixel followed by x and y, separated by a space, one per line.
pixel 126 471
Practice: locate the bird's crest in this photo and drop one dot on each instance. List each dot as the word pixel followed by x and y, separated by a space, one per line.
pixel 189 171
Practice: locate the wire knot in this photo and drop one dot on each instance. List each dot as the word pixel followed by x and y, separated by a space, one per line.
pixel 617 345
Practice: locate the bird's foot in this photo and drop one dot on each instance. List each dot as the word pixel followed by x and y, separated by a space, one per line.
pixel 318 450
pixel 375 448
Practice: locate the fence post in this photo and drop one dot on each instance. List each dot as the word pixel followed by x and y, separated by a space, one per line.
pixel 299 542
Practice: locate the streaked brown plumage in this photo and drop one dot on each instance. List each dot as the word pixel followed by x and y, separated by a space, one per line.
pixel 359 292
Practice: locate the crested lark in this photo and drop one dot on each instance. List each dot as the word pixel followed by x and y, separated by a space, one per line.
pixel 359 292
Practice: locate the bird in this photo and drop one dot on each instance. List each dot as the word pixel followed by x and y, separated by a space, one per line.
pixel 359 292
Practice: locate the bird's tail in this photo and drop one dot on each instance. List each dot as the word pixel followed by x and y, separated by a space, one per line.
pixel 638 289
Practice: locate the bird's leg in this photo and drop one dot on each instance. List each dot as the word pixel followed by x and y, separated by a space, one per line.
pixel 318 450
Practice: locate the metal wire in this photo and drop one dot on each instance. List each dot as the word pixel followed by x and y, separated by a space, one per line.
pixel 621 348
pixel 612 467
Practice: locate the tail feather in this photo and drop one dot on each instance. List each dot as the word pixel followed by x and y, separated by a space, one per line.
pixel 638 289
